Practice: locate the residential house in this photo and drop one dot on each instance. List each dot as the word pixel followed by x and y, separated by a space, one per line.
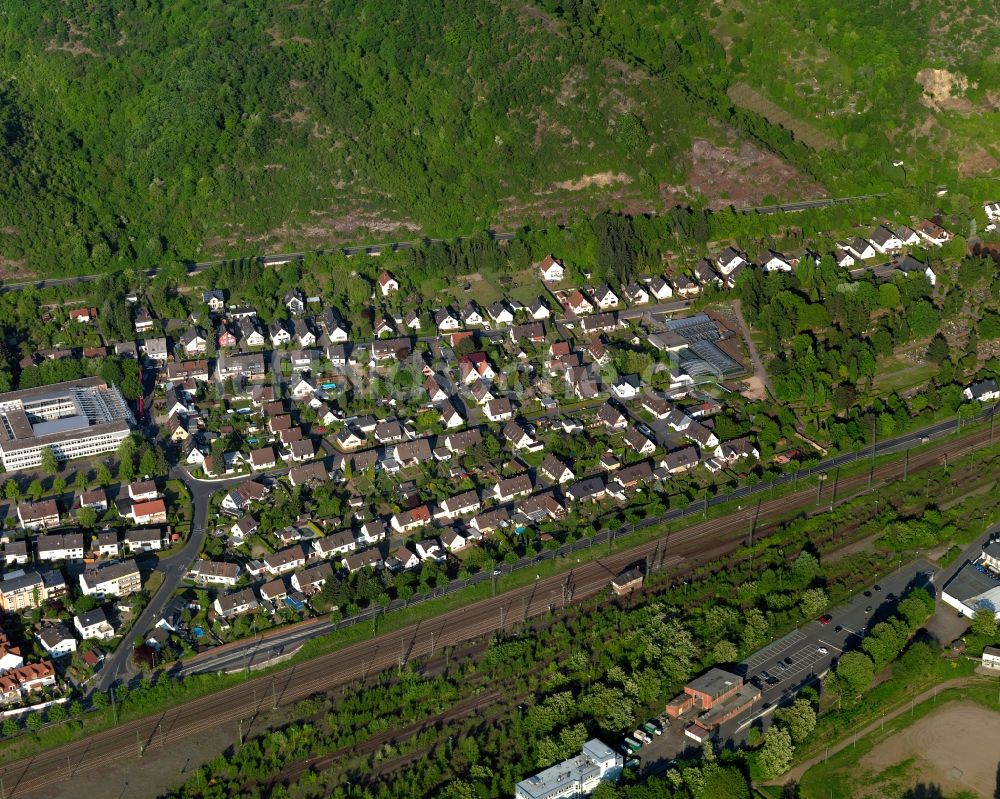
pixel 861 249
pixel 532 331
pixel 611 417
pixel 250 334
pixel 340 543
pixel 517 436
pixel 278 333
pixel 83 315
pixel 680 460
pixel 452 540
pixel 215 572
pixel 108 545
pixel 460 505
pixel 15 553
pixel 38 515
pixel 772 261
pixel 303 333
pixel 226 339
pixel 152 512
pixel 593 489
pixel 578 304
pixel 983 391
pixel 143 490
pixel 472 316
pixel 555 470
pixel 274 591
pixel 538 310
pixel 240 498
pixel 605 297
pixel 637 441
pixel 333 326
pixel 409 520
pixel 911 266
pixel 372 532
pixel 397 348
pixel 933 234
pixel 430 549
pixel 599 323
pixel 143 320
pixel 56 639
pixel 500 313
pixel 907 236
pixel 285 560
pixel 367 558
pixel 704 437
pixel 118 579
pixel 94 624
pixel 843 259
pixel 461 442
pixel 412 453
pixel 193 342
pixel 295 302
pixel 387 283
pixel 68 546
pixel 637 294
pixel 263 458
pixel 661 289
pixel 499 410
pixel 144 539
pixel 446 320
pixel 310 581
pixel 884 240
pixel 215 299
pixel 432 385
pixel 302 450
pixel 404 558
pixel 552 271
pixel 686 287
pixel 627 387
pixel 249 366
pixel 512 488
pixel 706 275
pixel 730 260
pixel 22 591
pixel 235 604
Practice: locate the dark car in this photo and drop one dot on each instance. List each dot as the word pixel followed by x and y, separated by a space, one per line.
pixel 838 628
pixel 868 593
pixel 788 661
pixel 877 587
pixel 772 680
pixel 868 609
pixel 890 595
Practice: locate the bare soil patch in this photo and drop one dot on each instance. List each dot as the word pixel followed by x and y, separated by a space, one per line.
pixel 741 174
pixel 600 179
pixel 943 90
pixel 956 747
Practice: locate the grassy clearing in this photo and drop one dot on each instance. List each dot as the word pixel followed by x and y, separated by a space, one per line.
pixel 743 95
pixel 844 776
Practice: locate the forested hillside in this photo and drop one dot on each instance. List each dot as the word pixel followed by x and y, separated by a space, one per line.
pixel 137 131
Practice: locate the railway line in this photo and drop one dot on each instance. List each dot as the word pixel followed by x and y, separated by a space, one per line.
pixel 700 542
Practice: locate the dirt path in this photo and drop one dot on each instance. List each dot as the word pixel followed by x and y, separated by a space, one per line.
pixel 758 365
pixel 797 772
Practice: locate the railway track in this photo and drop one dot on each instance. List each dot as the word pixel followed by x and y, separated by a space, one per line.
pixel 698 543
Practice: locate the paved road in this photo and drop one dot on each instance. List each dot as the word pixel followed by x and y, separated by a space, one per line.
pixel 681 551
pixel 173 567
pixel 804 205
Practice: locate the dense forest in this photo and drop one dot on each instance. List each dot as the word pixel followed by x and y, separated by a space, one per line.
pixel 140 133
pixel 134 135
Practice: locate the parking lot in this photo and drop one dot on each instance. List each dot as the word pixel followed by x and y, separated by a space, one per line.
pixel 783 666
pixel 802 647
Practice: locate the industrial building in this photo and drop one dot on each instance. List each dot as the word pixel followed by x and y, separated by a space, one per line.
pixel 977 584
pixel 75 419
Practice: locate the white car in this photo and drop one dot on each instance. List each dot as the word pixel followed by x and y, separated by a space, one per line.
pixel 639 735
pixel 823 650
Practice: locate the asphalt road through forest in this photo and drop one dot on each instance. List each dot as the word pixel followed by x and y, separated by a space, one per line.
pixel 695 544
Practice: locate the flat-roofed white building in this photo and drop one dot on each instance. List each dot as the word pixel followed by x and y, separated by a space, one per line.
pixel 75 419
pixel 578 776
